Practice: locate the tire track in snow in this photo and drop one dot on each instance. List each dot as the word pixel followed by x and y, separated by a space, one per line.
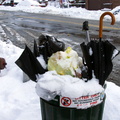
pixel 12 34
pixel 17 37
pixel 3 36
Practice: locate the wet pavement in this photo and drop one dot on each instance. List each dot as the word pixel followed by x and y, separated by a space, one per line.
pixel 23 28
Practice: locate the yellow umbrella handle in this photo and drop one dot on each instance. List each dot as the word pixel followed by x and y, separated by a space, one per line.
pixel 101 22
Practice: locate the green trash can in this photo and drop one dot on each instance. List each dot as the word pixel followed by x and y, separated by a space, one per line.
pixel 51 110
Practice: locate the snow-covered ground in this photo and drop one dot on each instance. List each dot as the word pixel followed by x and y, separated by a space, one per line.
pixel 18 100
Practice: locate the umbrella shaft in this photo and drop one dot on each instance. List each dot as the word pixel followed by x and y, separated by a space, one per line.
pixel 88 36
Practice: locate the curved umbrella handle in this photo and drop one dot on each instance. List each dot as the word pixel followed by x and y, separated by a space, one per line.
pixel 101 22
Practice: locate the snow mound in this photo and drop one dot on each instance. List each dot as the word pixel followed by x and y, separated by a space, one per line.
pixel 51 84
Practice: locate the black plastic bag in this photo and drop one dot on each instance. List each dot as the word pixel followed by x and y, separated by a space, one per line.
pixel 49 45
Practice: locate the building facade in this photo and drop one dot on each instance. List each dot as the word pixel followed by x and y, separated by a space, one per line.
pixel 115 3
pixel 101 4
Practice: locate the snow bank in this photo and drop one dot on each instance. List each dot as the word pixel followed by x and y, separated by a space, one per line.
pixel 112 104
pixel 73 12
pixel 18 100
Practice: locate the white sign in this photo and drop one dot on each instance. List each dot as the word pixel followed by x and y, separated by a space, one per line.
pixel 82 102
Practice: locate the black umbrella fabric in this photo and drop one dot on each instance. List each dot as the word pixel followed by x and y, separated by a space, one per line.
pixel 98 57
pixel 87 60
pixel 35 49
pixel 29 64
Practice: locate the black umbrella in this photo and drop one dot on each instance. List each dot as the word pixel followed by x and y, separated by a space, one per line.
pixel 29 64
pixel 106 50
pixel 98 55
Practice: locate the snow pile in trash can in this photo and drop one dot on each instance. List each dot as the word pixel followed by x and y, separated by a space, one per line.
pixel 51 84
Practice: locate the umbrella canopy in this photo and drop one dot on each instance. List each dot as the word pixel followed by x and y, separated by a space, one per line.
pixel 29 64
pixel 98 55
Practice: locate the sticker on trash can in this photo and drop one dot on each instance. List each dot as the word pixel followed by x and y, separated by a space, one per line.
pixel 82 102
pixel 66 101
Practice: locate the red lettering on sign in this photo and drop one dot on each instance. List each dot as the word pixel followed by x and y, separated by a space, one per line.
pixel 94 95
pixel 85 97
pixel 92 103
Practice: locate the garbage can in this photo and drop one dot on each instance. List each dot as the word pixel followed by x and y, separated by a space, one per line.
pixel 51 110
